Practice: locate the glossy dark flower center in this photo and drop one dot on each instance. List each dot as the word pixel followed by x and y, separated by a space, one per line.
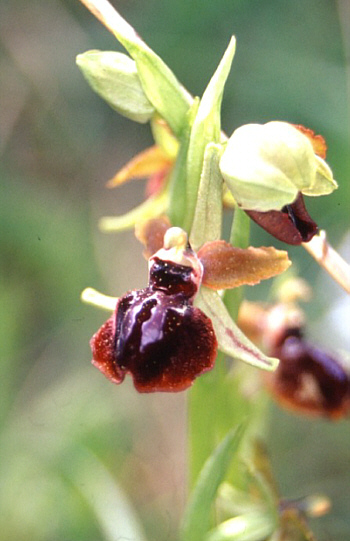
pixel 172 278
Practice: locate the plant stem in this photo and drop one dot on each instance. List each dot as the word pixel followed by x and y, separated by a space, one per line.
pixel 213 406
pixel 240 238
pixel 329 259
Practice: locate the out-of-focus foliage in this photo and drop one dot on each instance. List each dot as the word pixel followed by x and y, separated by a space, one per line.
pixel 70 443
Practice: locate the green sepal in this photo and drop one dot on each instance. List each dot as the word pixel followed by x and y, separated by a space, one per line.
pixel 208 213
pixel 324 182
pixel 151 208
pixel 113 76
pixel 197 516
pixel 266 166
pixel 206 128
pixel 231 339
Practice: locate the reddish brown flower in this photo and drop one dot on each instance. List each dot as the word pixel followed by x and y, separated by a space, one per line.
pixel 156 334
pixel 292 224
pixel 309 379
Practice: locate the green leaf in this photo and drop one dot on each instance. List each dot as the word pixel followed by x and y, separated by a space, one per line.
pixel 230 338
pixel 151 208
pixel 197 516
pixel 208 214
pixel 114 77
pixel 265 166
pixel 206 128
pixel 252 526
pixel 110 507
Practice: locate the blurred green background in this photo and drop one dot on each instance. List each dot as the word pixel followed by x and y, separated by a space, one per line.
pixel 71 444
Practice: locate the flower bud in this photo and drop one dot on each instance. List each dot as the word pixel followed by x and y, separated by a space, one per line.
pixel 266 166
pixel 114 77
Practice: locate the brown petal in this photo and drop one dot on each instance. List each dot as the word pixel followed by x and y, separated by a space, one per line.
pixel 148 162
pixel 151 234
pixel 291 225
pixel 318 143
pixel 226 266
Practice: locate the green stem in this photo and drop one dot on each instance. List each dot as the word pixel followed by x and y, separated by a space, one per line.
pixel 240 238
pixel 212 408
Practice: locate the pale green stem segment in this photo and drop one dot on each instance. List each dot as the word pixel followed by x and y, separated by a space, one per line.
pixel 178 177
pixel 170 99
pixel 239 238
pixel 208 213
pixel 206 129
pixel 329 259
pixel 240 229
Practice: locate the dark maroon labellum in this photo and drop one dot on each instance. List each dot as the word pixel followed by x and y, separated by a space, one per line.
pixel 292 224
pixel 156 334
pixel 172 279
pixel 310 380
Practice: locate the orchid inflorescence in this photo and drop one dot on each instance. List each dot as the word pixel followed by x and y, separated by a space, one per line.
pixel 194 171
pixel 169 332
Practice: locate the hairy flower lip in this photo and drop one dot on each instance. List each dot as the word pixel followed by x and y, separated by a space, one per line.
pixel 162 340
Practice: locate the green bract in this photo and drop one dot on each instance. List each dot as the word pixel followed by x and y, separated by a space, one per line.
pixel 206 128
pixel 207 220
pixel 266 166
pixel 230 338
pixel 114 77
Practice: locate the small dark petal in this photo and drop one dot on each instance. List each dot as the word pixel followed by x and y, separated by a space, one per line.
pixel 162 341
pixel 292 224
pixel 172 278
pixel 102 345
pixel 151 234
pixel 310 380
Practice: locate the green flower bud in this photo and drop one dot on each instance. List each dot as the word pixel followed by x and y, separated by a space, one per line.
pixel 114 77
pixel 266 166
